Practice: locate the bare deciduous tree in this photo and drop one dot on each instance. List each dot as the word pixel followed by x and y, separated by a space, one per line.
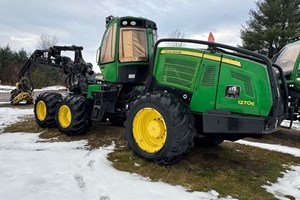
pixel 44 75
pixel 45 41
pixel 178 35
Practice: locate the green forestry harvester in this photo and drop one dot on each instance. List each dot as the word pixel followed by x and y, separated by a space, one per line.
pixel 164 95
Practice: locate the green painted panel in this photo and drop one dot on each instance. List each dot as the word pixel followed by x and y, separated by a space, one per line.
pixel 255 91
pixel 110 71
pixel 296 73
pixel 92 88
pixel 207 75
pixel 177 67
pixel 204 96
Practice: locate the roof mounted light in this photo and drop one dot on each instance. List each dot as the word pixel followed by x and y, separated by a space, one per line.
pixel 108 19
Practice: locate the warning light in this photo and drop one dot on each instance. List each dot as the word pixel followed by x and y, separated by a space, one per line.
pixel 211 37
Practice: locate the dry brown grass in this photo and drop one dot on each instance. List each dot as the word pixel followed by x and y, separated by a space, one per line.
pixel 99 135
pixel 230 169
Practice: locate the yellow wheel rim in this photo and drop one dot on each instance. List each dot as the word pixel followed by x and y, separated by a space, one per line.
pixel 149 130
pixel 41 110
pixel 64 116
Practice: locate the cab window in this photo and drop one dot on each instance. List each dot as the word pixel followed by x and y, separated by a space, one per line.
pixel 133 45
pixel 108 45
pixel 287 57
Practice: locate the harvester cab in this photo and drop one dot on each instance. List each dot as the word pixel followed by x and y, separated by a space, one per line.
pixel 126 49
pixel 124 58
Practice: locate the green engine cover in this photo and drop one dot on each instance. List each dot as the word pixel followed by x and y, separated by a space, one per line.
pixel 216 81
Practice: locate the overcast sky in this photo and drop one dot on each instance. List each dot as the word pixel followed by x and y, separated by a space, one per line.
pixel 82 22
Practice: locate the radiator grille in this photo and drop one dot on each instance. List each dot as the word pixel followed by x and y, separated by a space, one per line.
pixel 208 78
pixel 179 71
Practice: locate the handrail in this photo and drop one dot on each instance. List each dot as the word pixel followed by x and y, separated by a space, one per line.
pixel 256 56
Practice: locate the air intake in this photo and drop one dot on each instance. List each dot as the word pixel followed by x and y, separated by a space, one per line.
pixel 246 80
pixel 208 78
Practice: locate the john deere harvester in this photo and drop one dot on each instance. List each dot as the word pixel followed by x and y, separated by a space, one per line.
pixel 164 95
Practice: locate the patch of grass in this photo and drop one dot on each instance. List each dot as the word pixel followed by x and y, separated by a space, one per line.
pixel 28 125
pixel 290 197
pixel 230 168
pixel 100 134
pixel 286 137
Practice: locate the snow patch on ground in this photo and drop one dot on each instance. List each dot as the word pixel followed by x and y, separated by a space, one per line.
pixel 9 88
pixel 296 124
pixel 272 147
pixel 11 115
pixel 57 87
pixel 32 170
pixel 289 184
pixel 6 88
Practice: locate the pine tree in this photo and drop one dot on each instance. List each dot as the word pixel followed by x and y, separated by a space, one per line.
pixel 270 25
pixel 11 63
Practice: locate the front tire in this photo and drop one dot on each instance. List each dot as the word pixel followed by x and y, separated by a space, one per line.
pixel 72 115
pixel 45 107
pixel 160 129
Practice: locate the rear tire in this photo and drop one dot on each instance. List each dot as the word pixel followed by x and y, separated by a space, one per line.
pixel 45 107
pixel 160 129
pixel 72 115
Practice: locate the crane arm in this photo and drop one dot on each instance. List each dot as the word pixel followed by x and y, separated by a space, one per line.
pixel 52 57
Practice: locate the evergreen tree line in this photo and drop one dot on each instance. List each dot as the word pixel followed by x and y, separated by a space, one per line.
pixel 271 25
pixel 11 63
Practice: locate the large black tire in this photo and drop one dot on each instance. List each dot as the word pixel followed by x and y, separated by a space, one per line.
pixel 45 107
pixel 73 115
pixel 171 119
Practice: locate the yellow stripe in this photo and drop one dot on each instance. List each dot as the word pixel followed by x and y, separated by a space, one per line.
pixel 196 54
pixel 231 62
pixel 210 57
pixel 187 53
